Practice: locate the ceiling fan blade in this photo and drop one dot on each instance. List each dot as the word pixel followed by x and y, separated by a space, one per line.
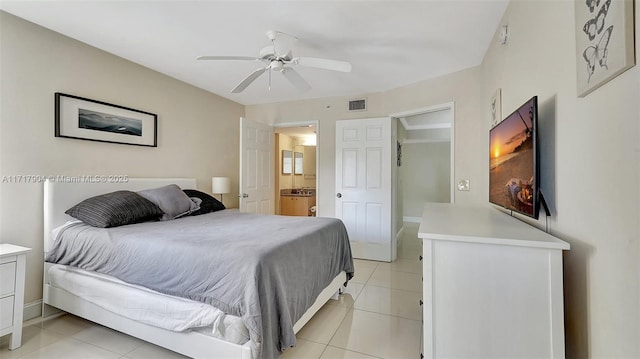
pixel 248 80
pixel 294 77
pixel 326 64
pixel 226 58
pixel 282 42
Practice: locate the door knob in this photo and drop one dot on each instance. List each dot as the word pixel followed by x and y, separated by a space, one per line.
pixel 244 195
pixel 339 195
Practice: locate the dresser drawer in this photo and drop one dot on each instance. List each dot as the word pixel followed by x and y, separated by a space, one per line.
pixel 8 275
pixel 6 312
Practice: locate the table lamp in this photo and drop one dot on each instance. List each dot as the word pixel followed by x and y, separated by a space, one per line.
pixel 220 185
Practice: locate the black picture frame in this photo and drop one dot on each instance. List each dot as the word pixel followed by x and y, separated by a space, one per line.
pixel 86 119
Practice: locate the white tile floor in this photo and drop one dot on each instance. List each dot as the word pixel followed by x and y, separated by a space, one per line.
pixel 378 316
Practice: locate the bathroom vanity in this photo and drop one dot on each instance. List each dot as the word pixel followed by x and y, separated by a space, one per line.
pixel 297 203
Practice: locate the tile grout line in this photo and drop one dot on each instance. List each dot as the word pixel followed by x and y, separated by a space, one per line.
pixel 323 350
pixel 338 327
pixel 27 352
pixel 71 336
pixel 389 315
pixel 354 351
pixel 402 290
pixel 350 310
pixel 93 345
pixel 59 337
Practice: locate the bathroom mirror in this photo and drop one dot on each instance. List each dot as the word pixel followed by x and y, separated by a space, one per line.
pixel 287 162
pixel 298 165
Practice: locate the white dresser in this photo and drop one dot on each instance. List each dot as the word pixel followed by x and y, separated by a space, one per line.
pixel 12 272
pixel 492 285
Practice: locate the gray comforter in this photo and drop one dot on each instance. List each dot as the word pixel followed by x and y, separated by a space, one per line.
pixel 268 270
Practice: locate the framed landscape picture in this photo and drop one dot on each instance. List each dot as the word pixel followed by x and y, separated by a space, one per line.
pixel 604 41
pixel 85 119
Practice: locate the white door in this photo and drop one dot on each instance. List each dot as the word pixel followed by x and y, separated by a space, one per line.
pixel 363 185
pixel 256 167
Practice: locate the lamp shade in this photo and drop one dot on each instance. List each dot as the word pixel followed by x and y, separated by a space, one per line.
pixel 220 185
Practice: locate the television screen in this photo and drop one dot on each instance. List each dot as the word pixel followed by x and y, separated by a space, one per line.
pixel 513 162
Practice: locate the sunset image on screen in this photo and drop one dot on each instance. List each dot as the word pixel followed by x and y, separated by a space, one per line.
pixel 511 165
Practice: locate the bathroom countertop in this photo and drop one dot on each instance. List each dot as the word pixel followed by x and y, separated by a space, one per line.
pixel 297 195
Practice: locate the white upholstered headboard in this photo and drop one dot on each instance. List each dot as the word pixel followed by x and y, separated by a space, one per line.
pixel 60 196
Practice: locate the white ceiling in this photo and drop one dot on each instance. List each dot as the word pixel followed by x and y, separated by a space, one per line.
pixel 389 43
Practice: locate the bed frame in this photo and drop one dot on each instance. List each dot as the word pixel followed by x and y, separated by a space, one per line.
pixel 58 197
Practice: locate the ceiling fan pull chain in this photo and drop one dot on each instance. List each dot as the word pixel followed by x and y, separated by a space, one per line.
pixel 269 78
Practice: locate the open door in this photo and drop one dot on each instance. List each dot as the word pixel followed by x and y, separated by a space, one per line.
pixel 256 167
pixel 363 185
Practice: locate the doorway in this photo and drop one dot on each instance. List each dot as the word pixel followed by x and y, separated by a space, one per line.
pixel 296 187
pixel 425 160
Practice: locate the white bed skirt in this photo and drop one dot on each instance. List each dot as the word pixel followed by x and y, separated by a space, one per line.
pixel 148 306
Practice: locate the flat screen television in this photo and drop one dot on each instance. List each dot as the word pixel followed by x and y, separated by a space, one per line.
pixel 513 161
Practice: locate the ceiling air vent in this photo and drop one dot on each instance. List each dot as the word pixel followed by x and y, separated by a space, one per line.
pixel 358 105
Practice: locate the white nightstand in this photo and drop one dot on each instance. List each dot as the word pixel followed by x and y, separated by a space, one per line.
pixel 12 271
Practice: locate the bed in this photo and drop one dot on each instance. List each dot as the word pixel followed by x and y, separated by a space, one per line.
pixel 64 284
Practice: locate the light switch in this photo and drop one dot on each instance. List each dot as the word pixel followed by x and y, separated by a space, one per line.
pixel 463 185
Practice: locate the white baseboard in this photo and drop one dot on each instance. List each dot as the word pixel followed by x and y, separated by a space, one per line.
pixel 399 234
pixel 371 251
pixel 32 310
pixel 412 219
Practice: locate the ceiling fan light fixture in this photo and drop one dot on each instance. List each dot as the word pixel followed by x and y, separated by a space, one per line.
pixel 279 57
pixel 276 65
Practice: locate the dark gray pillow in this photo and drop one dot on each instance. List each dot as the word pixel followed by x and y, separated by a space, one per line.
pixel 171 200
pixel 115 209
pixel 208 204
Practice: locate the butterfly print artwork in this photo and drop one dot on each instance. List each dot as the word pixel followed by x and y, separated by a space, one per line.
pixel 604 31
pixel 592 4
pixel 594 26
pixel 493 108
pixel 598 53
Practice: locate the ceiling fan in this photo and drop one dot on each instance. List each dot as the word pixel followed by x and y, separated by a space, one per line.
pixel 278 57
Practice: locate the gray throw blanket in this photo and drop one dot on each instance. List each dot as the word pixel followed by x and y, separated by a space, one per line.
pixel 268 270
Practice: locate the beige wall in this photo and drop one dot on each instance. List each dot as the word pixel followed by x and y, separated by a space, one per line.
pixel 425 173
pixel 462 88
pixel 198 132
pixel 590 158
